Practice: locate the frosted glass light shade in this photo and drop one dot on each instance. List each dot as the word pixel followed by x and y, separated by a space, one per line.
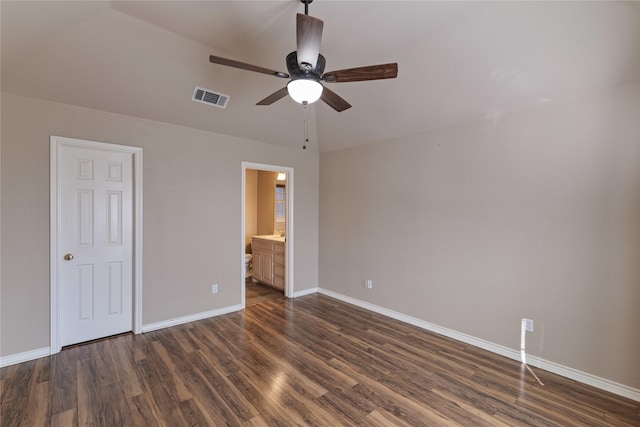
pixel 304 90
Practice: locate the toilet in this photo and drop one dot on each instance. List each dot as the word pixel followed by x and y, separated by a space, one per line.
pixel 247 265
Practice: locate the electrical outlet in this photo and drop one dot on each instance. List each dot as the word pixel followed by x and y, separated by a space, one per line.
pixel 214 288
pixel 528 325
pixel 367 284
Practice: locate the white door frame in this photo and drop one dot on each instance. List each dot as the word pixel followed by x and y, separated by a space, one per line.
pixel 56 144
pixel 288 280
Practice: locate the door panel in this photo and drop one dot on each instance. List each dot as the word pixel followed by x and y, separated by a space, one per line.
pixel 96 211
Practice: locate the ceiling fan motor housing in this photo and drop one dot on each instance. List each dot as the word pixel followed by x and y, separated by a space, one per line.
pixel 297 73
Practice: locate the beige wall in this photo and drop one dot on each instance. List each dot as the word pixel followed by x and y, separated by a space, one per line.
pixel 266 196
pixel 192 217
pixel 477 226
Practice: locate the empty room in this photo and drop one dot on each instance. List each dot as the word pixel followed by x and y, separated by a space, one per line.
pixel 320 212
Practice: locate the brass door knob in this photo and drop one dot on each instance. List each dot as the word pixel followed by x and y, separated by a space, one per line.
pixel 68 257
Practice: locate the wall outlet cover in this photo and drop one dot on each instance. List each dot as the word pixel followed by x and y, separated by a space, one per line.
pixel 528 325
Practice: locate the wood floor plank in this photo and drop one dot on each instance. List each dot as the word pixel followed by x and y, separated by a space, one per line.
pixel 488 417
pixel 305 362
pixel 194 415
pixel 136 344
pixel 182 338
pixel 542 398
pixel 382 418
pixel 125 364
pixel 256 293
pixel 38 404
pixel 255 391
pixel 88 393
pixel 117 412
pixel 64 377
pixel 279 364
pixel 171 362
pixel 611 420
pixel 309 361
pixel 257 421
pixel 301 409
pixel 223 387
pixel 469 387
pixel 17 387
pixel 559 413
pixel 398 404
pixel 216 351
pixel 163 395
pixel 408 411
pixel 105 367
pixel 43 370
pixel 615 406
pixel 215 405
pixel 350 405
pixel 142 410
pixel 65 419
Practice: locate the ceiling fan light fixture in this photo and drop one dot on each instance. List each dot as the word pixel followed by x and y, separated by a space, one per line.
pixel 304 90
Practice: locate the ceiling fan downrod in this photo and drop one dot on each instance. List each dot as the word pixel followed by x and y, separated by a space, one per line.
pixel 306 6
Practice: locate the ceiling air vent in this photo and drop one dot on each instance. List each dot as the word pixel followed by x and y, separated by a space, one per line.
pixel 210 97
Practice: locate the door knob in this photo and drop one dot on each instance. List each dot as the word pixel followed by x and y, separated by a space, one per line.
pixel 68 257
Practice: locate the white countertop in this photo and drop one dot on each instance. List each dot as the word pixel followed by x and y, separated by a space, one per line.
pixel 273 237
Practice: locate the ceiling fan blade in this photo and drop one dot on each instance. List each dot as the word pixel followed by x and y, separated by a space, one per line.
pixel 359 74
pixel 274 97
pixel 334 100
pixel 309 35
pixel 244 66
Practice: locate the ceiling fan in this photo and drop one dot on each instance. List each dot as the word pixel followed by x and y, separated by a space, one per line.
pixel 306 68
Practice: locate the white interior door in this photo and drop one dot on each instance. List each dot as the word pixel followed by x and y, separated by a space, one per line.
pixel 95 241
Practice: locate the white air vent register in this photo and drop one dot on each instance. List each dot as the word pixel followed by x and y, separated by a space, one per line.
pixel 210 97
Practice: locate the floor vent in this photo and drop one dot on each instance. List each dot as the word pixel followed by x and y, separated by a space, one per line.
pixel 210 97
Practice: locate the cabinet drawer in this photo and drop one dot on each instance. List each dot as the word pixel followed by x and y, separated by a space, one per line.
pixel 278 259
pixel 260 244
pixel 278 248
pixel 278 282
pixel 278 270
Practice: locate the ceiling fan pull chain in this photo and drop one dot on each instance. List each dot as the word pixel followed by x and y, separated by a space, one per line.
pixel 305 104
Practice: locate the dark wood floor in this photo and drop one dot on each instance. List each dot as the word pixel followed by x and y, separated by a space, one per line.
pixel 256 293
pixel 309 361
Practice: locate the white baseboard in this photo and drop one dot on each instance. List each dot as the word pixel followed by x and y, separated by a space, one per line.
pixel 191 318
pixel 304 292
pixel 565 371
pixel 13 359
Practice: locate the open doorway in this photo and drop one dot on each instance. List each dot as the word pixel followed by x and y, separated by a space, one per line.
pixel 267 232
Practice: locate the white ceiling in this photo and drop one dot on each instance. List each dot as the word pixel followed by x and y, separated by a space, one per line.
pixel 458 61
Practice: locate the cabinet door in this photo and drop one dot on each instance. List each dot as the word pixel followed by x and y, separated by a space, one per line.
pixel 267 268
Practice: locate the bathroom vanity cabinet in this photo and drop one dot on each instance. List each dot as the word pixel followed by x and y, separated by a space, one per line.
pixel 268 260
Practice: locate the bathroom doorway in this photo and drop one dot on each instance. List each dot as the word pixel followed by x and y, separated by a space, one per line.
pixel 267 232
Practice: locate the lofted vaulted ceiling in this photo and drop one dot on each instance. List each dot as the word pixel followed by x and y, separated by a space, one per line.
pixel 458 61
